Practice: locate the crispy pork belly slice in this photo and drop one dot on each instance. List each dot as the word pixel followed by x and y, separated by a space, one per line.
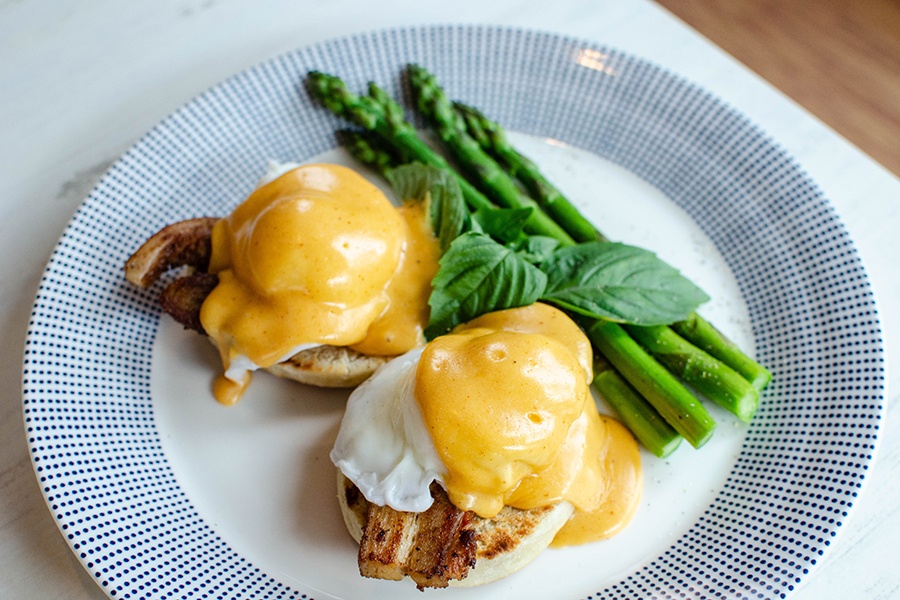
pixel 183 298
pixel 183 244
pixel 390 548
pixel 186 243
pixel 445 543
pixel 385 543
pixel 432 547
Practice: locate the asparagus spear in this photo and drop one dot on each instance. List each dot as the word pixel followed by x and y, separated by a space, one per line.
pixel 365 148
pixel 636 413
pixel 379 114
pixel 451 128
pixel 668 396
pixel 709 376
pixel 492 138
pixel 703 334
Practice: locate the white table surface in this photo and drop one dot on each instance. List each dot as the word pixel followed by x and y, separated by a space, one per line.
pixel 81 81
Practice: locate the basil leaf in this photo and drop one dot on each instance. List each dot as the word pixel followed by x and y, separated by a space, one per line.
pixel 619 283
pixel 537 248
pixel 447 210
pixel 503 224
pixel 478 275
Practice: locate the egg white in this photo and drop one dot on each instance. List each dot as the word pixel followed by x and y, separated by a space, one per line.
pixel 383 445
pixel 240 364
pixel 274 170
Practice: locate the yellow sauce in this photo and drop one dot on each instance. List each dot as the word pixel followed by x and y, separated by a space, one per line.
pixel 311 258
pixel 622 464
pixel 402 325
pixel 228 392
pixel 541 318
pixel 507 402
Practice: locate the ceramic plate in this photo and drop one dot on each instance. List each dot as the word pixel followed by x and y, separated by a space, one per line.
pixel 162 493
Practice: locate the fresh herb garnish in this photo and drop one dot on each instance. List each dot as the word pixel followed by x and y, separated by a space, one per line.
pixel 478 275
pixel 621 283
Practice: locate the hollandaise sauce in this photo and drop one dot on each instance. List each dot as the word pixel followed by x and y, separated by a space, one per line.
pixel 401 326
pixel 317 256
pixel 506 400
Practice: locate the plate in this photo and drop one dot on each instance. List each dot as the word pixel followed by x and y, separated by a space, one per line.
pixel 161 493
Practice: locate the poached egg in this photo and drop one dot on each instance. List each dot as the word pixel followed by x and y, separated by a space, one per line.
pixel 316 255
pixel 499 413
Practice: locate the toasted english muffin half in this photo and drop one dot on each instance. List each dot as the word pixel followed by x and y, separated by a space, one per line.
pixel 329 366
pixel 500 546
pixel 187 245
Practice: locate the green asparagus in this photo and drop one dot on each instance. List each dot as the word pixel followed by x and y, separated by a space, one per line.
pixel 492 138
pixel 635 412
pixel 381 115
pixel 704 373
pixel 365 147
pixel 497 185
pixel 667 395
pixel 703 334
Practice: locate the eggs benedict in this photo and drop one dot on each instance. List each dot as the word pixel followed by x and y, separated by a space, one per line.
pixel 491 429
pixel 315 276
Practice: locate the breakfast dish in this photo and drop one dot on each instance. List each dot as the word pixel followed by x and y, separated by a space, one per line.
pixel 134 470
pixel 315 277
pixel 499 415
